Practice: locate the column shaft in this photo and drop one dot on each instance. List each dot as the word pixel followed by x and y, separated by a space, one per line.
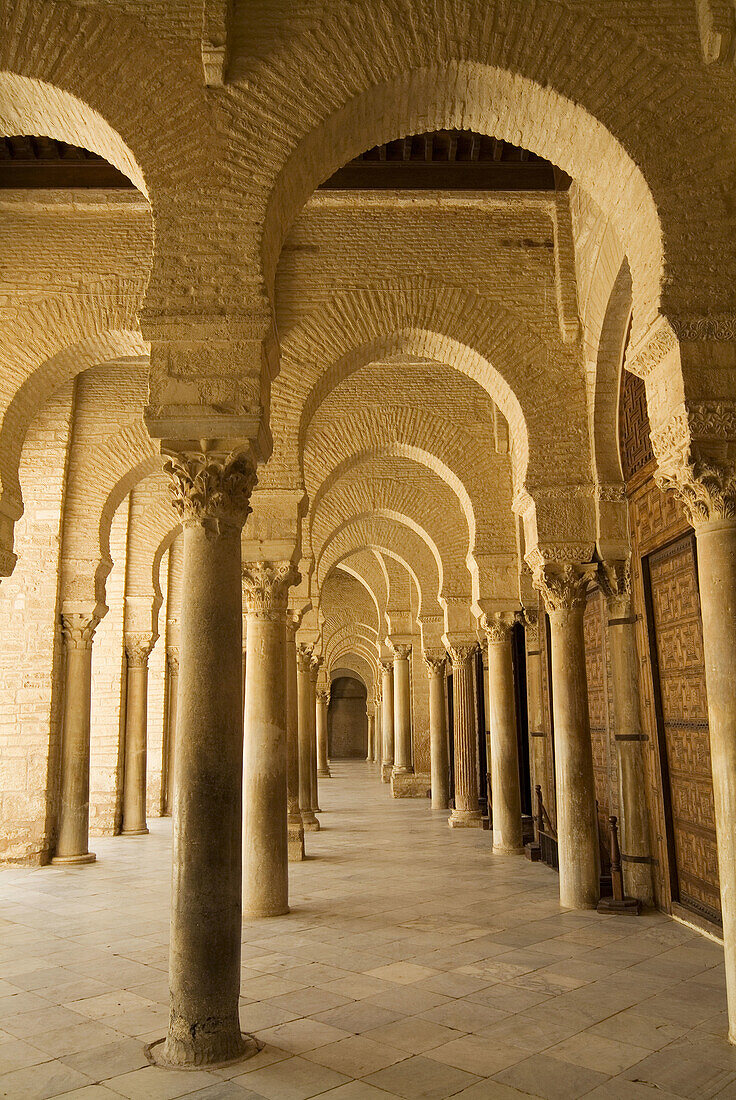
pixel 172 691
pixel 369 750
pixel 137 649
pixel 294 825
pixel 466 813
pixel 211 498
pixel 402 711
pixel 438 747
pixel 387 719
pixel 323 702
pixel 73 834
pixel 305 710
pixel 314 784
pixel 534 700
pixel 505 785
pixel 377 734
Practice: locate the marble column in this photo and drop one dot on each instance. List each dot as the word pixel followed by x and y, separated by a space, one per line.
pixel 211 498
pixel 371 731
pixel 314 784
pixel 387 718
pixel 294 824
pixel 305 728
pixel 377 734
pixel 172 692
pixel 636 856
pixel 534 704
pixel 505 784
pixel 137 651
pixel 73 831
pixel 323 767
pixel 563 588
pixel 265 838
pixel 466 814
pixel 402 711
pixel 438 747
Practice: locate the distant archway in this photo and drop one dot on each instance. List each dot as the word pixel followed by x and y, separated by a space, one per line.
pixel 347 720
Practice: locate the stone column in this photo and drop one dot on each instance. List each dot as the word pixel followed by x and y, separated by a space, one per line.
pixel 294 824
pixel 323 767
pixel 377 732
pixel 402 711
pixel 505 785
pixel 563 588
pixel 137 650
pixel 387 718
pixel 172 692
pixel 73 833
pixel 265 845
pixel 636 861
pixel 534 703
pixel 466 814
pixel 438 747
pixel 314 785
pixel 305 710
pixel 371 731
pixel 211 497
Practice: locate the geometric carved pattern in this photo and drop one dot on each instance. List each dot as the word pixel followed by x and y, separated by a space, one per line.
pixel 605 764
pixel 633 424
pixel 684 716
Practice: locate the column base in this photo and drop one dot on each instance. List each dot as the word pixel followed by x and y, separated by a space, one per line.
pixel 629 907
pixel 327 774
pixel 465 819
pixel 309 821
pixel 386 770
pixel 69 861
pixel 502 850
pixel 409 785
pixel 134 832
pixel 295 841
pixel 159 1053
pixel 262 913
pixel 403 769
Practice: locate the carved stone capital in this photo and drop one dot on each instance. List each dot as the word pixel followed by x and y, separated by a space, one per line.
pixel 210 492
pixel 387 664
pixel 531 628
pixel 564 586
pixel 401 652
pixel 314 666
pixel 323 697
pixel 706 488
pixel 266 587
pixel 172 658
pixel 303 657
pixel 614 578
pixel 460 653
pixel 435 660
pixel 497 627
pixel 78 629
pixel 138 649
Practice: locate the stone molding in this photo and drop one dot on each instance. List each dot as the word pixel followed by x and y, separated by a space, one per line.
pixel 614 578
pixel 303 657
pixel 564 586
pixel 266 587
pixel 78 629
pixel 138 649
pixel 497 627
pixel 209 491
pixel 656 344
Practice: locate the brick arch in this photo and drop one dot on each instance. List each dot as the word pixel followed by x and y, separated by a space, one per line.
pixel 407 489
pixel 152 529
pixel 356 569
pixel 610 359
pixel 365 74
pixel 357 662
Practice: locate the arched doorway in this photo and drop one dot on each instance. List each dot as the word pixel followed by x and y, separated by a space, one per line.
pixel 347 720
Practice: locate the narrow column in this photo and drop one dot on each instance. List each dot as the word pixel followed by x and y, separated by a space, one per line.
pixel 387 718
pixel 294 825
pixel 73 833
pixel 636 859
pixel 314 785
pixel 466 813
pixel 563 588
pixel 304 698
pixel 323 767
pixel 402 711
pixel 377 734
pixel 265 845
pixel 505 785
pixel 172 692
pixel 534 703
pixel 371 731
pixel 438 747
pixel 137 650
pixel 211 498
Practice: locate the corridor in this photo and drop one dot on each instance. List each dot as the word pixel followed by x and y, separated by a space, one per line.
pixel 414 963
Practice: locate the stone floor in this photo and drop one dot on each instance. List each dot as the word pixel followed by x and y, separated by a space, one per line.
pixel 414 964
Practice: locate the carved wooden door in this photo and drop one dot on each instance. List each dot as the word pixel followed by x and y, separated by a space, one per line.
pixel 596 669
pixel 678 672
